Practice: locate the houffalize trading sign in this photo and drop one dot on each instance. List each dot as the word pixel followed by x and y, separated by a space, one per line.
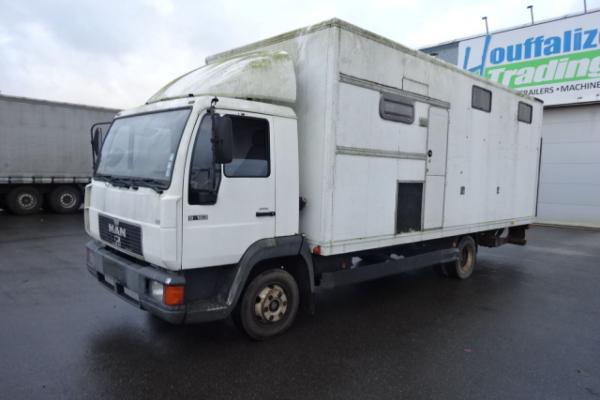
pixel 557 61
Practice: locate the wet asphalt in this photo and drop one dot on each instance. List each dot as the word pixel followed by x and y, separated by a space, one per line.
pixel 525 326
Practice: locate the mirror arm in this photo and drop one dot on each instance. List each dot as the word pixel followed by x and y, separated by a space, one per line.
pixel 213 139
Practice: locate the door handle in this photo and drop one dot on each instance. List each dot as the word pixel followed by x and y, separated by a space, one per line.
pixel 265 213
pixel 430 153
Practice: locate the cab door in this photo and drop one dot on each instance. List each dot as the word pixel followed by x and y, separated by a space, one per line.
pixel 228 207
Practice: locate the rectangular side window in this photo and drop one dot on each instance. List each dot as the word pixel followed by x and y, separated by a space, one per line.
pixel 396 108
pixel 481 99
pixel 525 112
pixel 251 157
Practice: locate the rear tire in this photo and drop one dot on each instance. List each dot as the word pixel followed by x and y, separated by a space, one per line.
pixel 64 199
pixel 24 200
pixel 463 267
pixel 269 304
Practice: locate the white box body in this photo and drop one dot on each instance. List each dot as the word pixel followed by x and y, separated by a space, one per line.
pixel 484 170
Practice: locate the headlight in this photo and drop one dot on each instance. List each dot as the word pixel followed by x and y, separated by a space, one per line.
pixel 156 291
pixel 171 295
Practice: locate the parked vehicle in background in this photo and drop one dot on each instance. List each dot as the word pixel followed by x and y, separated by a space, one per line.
pixel 45 153
pixel 321 157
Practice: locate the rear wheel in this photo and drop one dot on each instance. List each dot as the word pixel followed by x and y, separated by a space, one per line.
pixel 269 304
pixel 463 267
pixel 64 199
pixel 24 200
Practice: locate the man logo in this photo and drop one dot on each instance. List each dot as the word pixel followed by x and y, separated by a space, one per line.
pixel 120 232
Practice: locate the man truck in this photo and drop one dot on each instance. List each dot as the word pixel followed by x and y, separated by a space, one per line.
pixel 45 155
pixel 322 157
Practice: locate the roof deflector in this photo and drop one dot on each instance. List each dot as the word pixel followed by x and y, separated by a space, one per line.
pixel 264 75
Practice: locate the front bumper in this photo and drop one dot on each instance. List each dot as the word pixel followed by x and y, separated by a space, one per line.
pixel 129 279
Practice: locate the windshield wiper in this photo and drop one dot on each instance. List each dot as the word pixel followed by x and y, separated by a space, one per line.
pixel 118 181
pixel 155 184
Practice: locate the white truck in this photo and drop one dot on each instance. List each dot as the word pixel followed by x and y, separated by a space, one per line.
pixel 45 155
pixel 321 157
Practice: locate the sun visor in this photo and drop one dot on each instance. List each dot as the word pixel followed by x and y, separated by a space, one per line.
pixel 265 75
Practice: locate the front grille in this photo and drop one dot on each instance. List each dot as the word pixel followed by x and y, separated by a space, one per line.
pixel 121 234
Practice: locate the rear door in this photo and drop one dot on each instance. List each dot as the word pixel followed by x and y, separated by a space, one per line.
pixel 435 176
pixel 219 227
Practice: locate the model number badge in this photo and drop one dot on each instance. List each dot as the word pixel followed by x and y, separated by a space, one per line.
pixel 201 217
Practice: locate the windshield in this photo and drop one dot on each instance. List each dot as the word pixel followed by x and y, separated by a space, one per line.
pixel 140 150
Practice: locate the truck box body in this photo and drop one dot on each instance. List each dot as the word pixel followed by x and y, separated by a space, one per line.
pixel 44 142
pixel 371 181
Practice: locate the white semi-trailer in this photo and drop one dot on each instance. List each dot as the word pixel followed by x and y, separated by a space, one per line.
pixel 321 157
pixel 45 153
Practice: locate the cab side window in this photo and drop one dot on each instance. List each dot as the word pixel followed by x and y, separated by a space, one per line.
pixel 251 153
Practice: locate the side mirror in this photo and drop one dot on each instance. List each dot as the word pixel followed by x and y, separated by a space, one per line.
pixel 98 134
pixel 96 141
pixel 223 141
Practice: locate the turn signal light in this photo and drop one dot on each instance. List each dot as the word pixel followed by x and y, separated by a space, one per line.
pixel 173 295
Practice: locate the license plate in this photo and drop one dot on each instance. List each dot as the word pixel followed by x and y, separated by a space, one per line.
pixel 114 273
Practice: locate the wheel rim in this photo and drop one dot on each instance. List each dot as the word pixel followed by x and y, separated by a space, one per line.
pixel 271 304
pixel 465 261
pixel 27 201
pixel 67 200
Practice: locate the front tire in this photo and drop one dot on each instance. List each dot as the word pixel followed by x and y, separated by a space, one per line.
pixel 24 200
pixel 269 304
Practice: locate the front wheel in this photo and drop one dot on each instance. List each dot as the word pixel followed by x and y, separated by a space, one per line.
pixel 269 304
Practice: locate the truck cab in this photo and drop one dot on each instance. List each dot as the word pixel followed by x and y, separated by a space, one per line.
pixel 163 214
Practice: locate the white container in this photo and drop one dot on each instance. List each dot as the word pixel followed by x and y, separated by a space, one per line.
pixel 483 170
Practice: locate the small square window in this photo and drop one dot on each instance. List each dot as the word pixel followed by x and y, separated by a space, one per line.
pixel 396 108
pixel 481 99
pixel 250 148
pixel 525 112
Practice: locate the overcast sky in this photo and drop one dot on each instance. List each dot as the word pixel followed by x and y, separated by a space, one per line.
pixel 117 53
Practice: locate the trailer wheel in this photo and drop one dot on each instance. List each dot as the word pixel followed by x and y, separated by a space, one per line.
pixel 24 200
pixel 269 304
pixel 64 199
pixel 463 267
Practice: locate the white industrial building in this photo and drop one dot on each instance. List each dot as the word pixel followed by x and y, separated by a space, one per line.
pixel 557 61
